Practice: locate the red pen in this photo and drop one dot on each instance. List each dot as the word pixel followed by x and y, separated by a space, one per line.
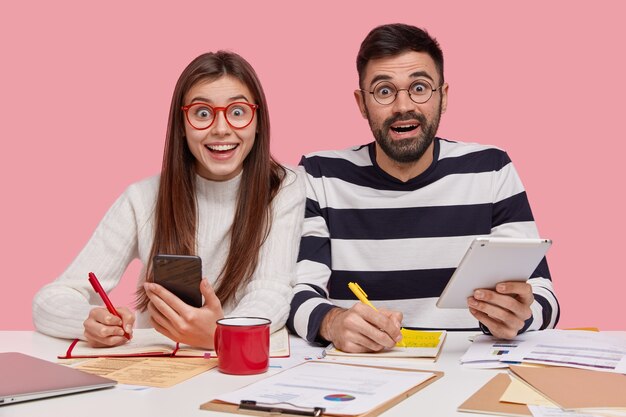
pixel 98 289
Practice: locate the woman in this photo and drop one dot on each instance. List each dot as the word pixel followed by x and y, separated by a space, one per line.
pixel 220 196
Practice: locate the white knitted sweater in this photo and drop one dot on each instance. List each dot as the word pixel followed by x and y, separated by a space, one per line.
pixel 126 233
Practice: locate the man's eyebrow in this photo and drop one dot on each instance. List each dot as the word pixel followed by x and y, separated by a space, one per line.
pixel 379 77
pixel 385 77
pixel 417 74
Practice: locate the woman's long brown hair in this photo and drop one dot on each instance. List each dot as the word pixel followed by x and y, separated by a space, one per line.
pixel 175 219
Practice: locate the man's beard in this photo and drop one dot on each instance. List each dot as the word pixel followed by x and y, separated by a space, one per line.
pixel 410 149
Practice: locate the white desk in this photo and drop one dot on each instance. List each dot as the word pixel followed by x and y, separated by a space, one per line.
pixel 438 399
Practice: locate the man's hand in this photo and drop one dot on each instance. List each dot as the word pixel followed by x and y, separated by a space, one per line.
pixel 103 329
pixel 361 328
pixel 181 322
pixel 504 310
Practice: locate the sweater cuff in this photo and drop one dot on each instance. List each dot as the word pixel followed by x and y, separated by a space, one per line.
pixel 315 322
pixel 527 324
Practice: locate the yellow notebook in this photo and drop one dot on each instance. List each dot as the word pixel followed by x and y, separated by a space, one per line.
pixel 418 345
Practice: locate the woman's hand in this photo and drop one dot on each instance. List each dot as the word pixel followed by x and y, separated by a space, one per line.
pixel 182 322
pixel 103 329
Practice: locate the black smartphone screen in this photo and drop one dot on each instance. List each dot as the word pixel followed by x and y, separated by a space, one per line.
pixel 181 275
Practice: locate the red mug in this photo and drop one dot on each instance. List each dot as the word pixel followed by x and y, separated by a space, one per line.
pixel 242 345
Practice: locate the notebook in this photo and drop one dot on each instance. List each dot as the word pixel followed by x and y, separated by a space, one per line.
pixel 27 378
pixel 411 351
pixel 149 342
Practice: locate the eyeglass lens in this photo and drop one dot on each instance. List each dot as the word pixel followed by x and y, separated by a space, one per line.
pixel 386 92
pixel 238 115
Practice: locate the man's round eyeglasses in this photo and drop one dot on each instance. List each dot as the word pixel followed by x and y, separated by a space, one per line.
pixel 385 92
pixel 202 115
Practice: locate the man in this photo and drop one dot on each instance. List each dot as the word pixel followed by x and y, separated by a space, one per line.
pixel 398 214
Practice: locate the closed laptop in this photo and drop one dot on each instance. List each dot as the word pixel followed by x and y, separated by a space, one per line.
pixel 27 378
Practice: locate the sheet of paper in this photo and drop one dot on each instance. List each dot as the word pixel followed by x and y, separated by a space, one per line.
pixel 606 412
pixel 519 393
pixel 486 351
pixel 402 363
pixel 621 366
pixel 573 348
pixel 543 411
pixel 152 372
pixel 341 389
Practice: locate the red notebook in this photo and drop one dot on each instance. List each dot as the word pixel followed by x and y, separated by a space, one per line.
pixel 149 342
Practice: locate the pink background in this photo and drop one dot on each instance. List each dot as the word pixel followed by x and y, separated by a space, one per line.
pixel 85 91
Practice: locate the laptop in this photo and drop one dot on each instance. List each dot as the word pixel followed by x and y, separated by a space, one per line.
pixel 27 378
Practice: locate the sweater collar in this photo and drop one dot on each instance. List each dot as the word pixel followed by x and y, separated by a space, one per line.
pixel 226 188
pixel 424 176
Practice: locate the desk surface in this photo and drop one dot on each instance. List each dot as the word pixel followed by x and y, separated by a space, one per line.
pixel 438 399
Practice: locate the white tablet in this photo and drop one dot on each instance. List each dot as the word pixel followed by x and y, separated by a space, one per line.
pixel 491 260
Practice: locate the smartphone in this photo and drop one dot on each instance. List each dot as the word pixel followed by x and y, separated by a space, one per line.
pixel 181 275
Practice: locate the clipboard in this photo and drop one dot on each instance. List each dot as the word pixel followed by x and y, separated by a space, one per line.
pixel 265 410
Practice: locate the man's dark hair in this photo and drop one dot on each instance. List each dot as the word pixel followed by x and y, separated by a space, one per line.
pixel 394 39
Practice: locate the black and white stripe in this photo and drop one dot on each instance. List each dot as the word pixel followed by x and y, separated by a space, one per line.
pixel 402 241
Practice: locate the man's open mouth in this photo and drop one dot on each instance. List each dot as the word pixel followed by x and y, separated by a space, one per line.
pixel 404 128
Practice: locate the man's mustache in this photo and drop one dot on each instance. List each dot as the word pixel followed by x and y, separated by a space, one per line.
pixel 404 116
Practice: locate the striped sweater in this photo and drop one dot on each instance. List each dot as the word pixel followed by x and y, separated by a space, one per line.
pixel 403 240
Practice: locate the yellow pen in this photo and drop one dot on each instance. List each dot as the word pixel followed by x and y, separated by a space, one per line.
pixel 360 294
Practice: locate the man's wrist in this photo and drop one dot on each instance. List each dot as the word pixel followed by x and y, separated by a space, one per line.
pixel 326 328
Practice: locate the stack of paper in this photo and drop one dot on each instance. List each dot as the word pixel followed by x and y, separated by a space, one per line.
pixel 551 391
pixel 487 399
pixel 575 388
pixel 579 349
